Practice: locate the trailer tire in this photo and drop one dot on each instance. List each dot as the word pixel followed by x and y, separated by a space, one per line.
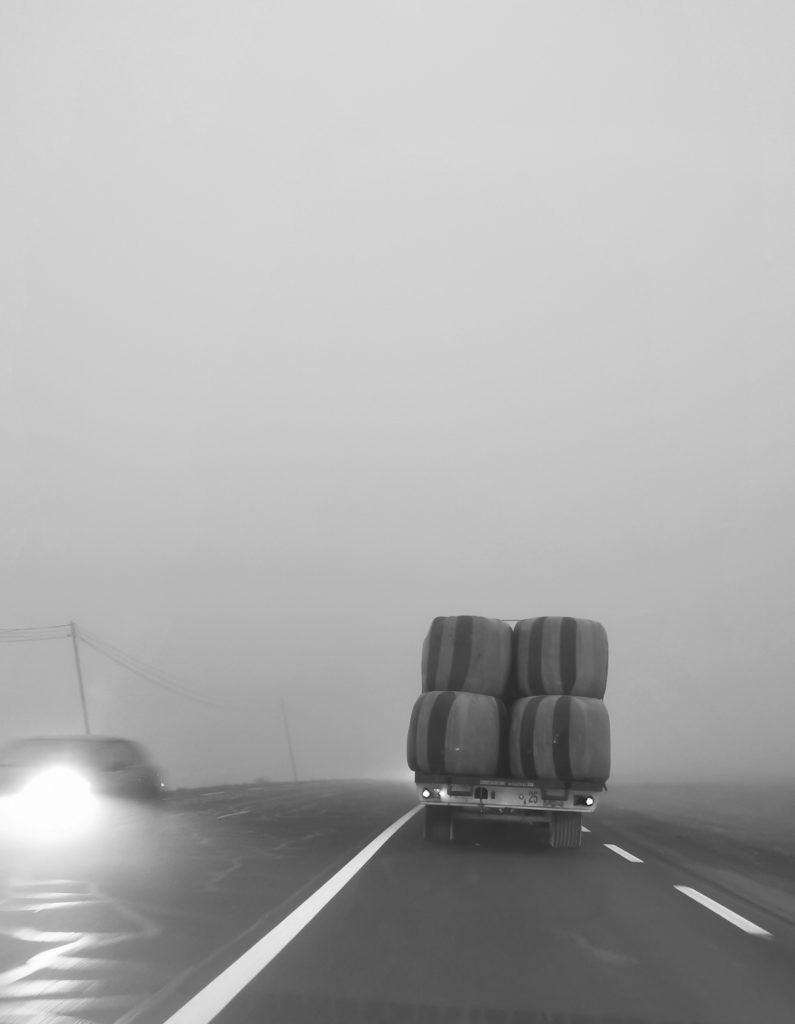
pixel 438 824
pixel 565 830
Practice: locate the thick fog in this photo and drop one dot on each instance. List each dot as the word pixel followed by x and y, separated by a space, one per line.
pixel 322 319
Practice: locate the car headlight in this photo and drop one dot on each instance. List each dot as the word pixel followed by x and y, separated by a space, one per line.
pixel 56 803
pixel 56 784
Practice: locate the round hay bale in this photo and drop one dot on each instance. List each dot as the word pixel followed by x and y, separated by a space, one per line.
pixel 560 655
pixel 467 653
pixel 561 739
pixel 458 734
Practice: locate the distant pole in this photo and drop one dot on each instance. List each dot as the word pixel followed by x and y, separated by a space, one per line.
pixel 289 741
pixel 83 704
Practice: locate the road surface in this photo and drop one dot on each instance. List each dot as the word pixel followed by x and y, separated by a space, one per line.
pixel 684 915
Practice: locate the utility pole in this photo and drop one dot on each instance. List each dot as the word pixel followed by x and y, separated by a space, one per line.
pixel 83 704
pixel 289 741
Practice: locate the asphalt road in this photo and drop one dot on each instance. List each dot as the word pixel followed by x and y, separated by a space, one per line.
pixel 494 927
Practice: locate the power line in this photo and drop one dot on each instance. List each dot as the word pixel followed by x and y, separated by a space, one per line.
pixel 289 740
pixel 23 634
pixel 155 676
pixel 79 670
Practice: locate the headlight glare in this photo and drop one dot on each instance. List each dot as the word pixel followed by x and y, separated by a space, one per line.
pixel 56 803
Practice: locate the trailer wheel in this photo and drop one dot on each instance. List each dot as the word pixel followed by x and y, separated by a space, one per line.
pixel 438 824
pixel 565 830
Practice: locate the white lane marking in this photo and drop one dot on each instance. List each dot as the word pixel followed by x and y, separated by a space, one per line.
pixel 585 829
pixel 724 912
pixel 209 1002
pixel 623 853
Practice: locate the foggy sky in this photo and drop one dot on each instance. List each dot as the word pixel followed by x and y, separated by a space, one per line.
pixel 321 319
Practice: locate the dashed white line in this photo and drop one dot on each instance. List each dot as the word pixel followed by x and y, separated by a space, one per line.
pixel 208 1003
pixel 585 829
pixel 623 853
pixel 724 912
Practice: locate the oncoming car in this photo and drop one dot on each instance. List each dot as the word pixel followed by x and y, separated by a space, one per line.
pixel 56 786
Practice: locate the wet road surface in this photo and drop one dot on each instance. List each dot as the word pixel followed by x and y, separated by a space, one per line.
pixel 494 926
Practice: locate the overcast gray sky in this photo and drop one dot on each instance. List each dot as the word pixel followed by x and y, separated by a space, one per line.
pixel 322 319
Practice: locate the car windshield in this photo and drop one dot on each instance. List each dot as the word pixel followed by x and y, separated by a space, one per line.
pixel 398 422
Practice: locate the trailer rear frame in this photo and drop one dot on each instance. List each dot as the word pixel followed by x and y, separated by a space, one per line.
pixel 558 803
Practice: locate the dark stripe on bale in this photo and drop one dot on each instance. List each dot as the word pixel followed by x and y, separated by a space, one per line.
pixel 502 751
pixel 568 654
pixel 437 731
pixel 411 745
pixel 561 738
pixel 535 652
pixel 462 651
pixel 526 738
pixel 434 651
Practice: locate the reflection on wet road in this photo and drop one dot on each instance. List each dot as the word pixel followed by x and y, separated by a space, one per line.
pixel 65 962
pixel 102 931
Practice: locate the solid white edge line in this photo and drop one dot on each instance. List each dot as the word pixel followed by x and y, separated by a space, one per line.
pixel 623 853
pixel 209 1002
pixel 724 912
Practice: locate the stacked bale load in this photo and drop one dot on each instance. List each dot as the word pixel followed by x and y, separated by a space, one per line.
pixel 459 724
pixel 454 733
pixel 468 654
pixel 559 728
